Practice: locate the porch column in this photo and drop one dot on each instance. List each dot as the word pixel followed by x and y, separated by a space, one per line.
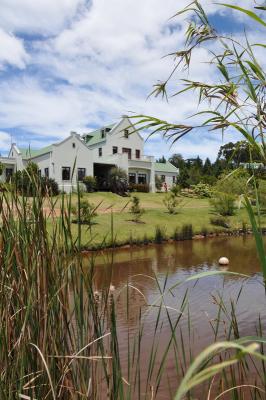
pixel 152 177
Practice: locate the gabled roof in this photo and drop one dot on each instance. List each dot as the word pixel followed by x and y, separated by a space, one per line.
pixel 95 137
pixel 28 153
pixel 165 167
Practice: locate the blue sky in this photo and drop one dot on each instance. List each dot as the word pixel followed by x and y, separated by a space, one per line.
pixel 77 64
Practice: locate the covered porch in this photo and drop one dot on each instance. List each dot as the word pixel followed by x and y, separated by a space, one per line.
pixel 102 172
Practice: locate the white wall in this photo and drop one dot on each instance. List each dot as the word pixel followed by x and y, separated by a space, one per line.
pixel 65 155
pixel 116 138
pixel 14 153
pixel 168 178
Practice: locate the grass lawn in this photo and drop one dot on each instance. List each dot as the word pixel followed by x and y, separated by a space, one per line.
pixel 196 212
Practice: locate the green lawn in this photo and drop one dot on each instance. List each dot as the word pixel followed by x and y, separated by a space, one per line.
pixel 196 212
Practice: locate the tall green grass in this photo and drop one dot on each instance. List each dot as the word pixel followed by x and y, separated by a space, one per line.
pixel 59 336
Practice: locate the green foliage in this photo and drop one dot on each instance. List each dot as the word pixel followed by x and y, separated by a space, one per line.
pixel 220 221
pixel 262 194
pixel 91 183
pixel 161 160
pixel 223 203
pixel 202 190
pixel 1 168
pixel 236 182
pixel 136 209
pixel 29 183
pixel 160 234
pixel 118 181
pixel 238 152
pixel 176 190
pixel 139 187
pixel 85 212
pixel 186 232
pixel 158 183
pixel 173 203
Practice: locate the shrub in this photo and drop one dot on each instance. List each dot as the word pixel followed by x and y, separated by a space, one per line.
pixel 186 232
pixel 85 212
pixel 139 187
pixel 160 234
pixel 118 181
pixel 158 183
pixel 135 209
pixel 262 194
pixel 202 190
pixel 173 203
pixel 176 190
pixel 235 183
pixel 220 221
pixel 91 183
pixel 29 183
pixel 1 168
pixel 223 204
pixel 49 186
pixel 176 234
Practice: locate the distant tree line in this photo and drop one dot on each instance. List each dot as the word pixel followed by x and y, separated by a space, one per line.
pixel 195 170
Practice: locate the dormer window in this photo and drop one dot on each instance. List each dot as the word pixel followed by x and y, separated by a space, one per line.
pixel 126 133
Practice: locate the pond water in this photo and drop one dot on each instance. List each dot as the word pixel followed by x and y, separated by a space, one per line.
pixel 140 275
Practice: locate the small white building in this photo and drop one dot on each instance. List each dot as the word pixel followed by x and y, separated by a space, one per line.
pixel 95 153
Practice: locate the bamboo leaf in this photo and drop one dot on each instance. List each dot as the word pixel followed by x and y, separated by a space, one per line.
pixel 251 14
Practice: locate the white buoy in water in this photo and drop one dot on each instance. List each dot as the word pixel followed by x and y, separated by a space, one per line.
pixel 223 261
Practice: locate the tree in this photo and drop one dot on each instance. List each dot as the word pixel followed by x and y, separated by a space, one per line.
pixel 239 152
pixel 135 209
pixel 118 181
pixel 161 160
pixel 207 167
pixel 158 182
pixel 91 183
pixel 177 160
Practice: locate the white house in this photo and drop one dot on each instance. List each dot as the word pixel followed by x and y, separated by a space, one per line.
pixel 95 153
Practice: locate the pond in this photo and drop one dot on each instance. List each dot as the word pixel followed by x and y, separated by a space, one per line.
pixel 221 306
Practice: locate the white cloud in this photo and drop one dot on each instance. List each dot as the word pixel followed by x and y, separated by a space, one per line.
pixel 12 51
pixel 37 16
pixel 99 60
pixel 5 141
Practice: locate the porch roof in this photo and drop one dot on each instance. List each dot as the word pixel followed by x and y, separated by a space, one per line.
pixel 165 167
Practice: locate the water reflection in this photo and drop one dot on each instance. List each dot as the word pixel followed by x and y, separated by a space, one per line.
pixel 132 271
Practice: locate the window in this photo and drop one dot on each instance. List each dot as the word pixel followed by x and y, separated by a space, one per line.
pixel 137 153
pixel 174 179
pixel 115 149
pixel 100 151
pixel 66 173
pixel 39 173
pixel 81 174
pixel 142 178
pixel 73 145
pixel 126 133
pixel 102 133
pixel 128 151
pixel 46 172
pixel 163 178
pixel 132 177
